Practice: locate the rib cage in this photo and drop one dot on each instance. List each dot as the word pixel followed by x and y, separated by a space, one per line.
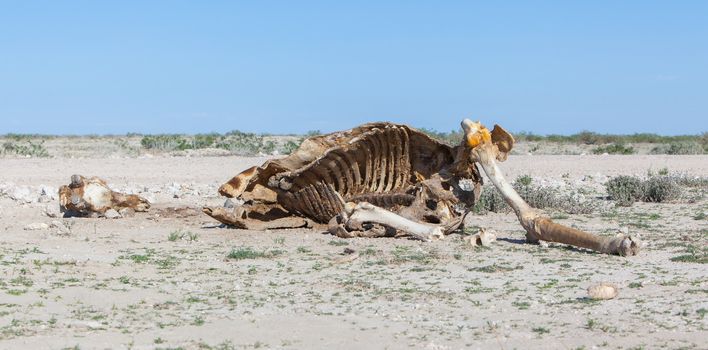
pixel 374 167
pixel 376 162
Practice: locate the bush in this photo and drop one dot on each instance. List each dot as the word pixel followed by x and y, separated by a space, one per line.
pixel 661 189
pixel 625 190
pixel 536 196
pixel 164 142
pixel 242 143
pixel 685 148
pixel 615 148
pixel 30 149
pixel 290 147
pixel 237 142
pixel 490 200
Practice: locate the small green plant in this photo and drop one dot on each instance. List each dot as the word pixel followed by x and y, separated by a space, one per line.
pixel 521 305
pixel 174 235
pixel 179 234
pixel 245 253
pixel 540 330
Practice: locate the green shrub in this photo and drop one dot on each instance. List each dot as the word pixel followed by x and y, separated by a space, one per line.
pixel 661 189
pixel 686 147
pixel 290 146
pixel 164 142
pixel 490 200
pixel 540 197
pixel 615 148
pixel 625 190
pixel 28 149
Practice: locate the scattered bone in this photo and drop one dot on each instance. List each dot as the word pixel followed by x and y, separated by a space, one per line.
pixel 602 291
pixel 483 238
pixel 36 226
pixel 93 197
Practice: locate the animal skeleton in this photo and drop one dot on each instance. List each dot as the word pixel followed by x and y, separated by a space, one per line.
pixel 384 179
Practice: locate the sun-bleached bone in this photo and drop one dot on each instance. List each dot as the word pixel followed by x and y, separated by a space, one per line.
pixel 483 238
pixel 85 196
pixel 357 215
pixel 537 226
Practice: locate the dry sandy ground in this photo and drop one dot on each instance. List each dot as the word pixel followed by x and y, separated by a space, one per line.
pixel 163 279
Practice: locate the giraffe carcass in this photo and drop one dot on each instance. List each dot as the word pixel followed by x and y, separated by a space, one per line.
pixel 385 179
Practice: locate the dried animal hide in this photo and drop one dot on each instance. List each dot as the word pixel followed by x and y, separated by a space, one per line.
pixel 87 196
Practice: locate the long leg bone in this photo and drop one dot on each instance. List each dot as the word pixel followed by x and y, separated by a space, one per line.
pixel 537 226
pixel 359 214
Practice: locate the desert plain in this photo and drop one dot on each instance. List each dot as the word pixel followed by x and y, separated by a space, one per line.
pixel 173 278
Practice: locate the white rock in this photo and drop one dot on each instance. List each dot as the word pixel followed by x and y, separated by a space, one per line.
pixel 49 191
pixel 36 226
pixel 149 196
pixel 175 190
pixel 60 227
pixel 111 214
pixel 602 291
pixel 21 194
pixel 51 211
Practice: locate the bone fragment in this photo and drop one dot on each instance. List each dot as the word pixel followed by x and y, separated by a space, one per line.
pixel 483 238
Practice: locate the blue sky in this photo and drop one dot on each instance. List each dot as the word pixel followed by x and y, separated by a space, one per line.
pixel 80 67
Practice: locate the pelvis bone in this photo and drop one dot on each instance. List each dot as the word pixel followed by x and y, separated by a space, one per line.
pixel 86 196
pixel 384 179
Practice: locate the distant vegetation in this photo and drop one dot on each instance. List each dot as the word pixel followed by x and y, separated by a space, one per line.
pixel 606 143
pixel 659 187
pixel 25 148
pixel 248 144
